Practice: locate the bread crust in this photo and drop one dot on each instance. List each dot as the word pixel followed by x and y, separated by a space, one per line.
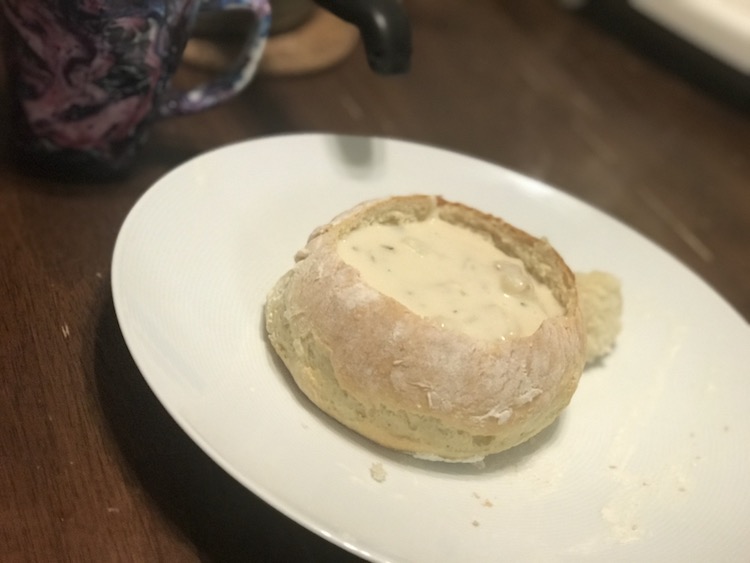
pixel 404 381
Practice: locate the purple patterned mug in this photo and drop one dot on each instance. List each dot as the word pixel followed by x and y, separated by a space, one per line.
pixel 89 77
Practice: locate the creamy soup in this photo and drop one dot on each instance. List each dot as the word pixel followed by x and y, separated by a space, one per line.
pixel 451 274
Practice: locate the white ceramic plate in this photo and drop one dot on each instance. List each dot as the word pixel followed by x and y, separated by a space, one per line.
pixel 649 463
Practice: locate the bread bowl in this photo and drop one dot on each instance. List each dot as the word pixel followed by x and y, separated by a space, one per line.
pixel 411 381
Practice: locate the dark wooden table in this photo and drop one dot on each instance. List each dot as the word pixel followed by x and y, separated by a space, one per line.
pixel 91 466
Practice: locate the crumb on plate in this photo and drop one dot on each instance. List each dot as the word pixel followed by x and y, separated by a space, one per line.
pixel 377 472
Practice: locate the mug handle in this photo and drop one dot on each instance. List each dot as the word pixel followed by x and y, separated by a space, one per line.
pixel 231 82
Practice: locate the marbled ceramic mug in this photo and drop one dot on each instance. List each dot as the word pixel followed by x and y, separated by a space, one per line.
pixel 87 78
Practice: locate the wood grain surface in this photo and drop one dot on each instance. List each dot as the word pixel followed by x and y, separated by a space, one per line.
pixel 91 466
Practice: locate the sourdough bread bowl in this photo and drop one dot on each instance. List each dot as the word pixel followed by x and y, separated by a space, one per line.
pixel 406 379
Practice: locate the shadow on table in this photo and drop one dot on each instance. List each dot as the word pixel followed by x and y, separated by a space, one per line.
pixel 219 516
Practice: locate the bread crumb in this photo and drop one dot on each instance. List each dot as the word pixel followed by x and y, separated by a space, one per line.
pixel 600 298
pixel 377 472
pixel 65 330
pixel 485 502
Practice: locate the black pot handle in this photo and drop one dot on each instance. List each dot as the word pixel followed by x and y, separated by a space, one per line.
pixel 385 30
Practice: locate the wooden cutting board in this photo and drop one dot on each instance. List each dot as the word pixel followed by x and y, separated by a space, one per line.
pixel 317 44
